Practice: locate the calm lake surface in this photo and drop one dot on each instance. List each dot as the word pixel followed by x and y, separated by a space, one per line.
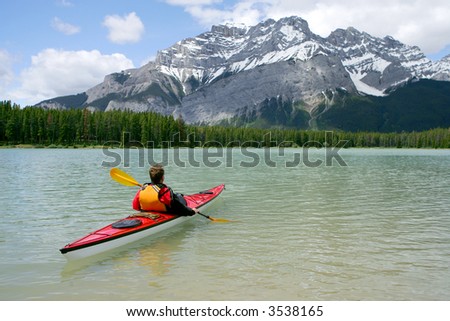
pixel 376 229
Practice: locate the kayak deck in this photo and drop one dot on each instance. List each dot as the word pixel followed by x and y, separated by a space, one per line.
pixel 135 227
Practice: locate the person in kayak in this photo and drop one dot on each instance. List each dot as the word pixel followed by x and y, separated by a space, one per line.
pixel 156 196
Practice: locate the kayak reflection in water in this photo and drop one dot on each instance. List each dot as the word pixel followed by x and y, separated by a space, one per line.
pixel 156 196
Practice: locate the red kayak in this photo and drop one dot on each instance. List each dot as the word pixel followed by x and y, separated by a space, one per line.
pixel 135 227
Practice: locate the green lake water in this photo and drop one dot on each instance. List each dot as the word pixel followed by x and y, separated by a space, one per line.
pixel 372 225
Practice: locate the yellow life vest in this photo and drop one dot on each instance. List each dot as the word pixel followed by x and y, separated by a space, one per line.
pixel 149 200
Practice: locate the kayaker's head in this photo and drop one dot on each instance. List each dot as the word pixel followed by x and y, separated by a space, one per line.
pixel 157 174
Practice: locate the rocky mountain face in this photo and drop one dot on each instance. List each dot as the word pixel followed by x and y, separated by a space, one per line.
pixel 441 69
pixel 277 73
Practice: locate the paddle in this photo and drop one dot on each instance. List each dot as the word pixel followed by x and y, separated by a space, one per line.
pixel 127 180
pixel 123 178
pixel 217 220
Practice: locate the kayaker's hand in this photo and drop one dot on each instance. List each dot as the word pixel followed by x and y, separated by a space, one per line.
pixel 195 210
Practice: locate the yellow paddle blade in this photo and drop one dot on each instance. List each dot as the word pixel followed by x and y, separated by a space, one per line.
pixel 219 220
pixel 123 178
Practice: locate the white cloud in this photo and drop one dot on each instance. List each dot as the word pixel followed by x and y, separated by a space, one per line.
pixel 64 27
pixel 413 22
pixel 56 73
pixel 122 30
pixel 6 69
pixel 246 12
pixel 65 3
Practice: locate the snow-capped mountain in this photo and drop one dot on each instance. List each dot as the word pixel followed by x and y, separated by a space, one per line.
pixel 232 49
pixel 441 69
pixel 235 71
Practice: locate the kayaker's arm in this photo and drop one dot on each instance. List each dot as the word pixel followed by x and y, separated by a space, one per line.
pixel 135 204
pixel 179 207
pixel 175 202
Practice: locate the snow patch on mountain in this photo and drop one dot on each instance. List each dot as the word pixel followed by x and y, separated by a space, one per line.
pixel 362 87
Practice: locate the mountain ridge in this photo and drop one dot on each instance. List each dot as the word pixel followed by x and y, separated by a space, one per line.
pixel 232 72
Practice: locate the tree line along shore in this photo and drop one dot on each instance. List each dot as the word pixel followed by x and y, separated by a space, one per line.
pixel 38 127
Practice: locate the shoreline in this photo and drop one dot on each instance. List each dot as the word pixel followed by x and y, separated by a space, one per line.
pixel 54 146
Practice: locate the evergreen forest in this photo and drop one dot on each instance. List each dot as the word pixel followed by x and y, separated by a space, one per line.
pixel 38 127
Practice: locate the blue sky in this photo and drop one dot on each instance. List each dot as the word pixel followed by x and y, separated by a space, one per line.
pixel 50 48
